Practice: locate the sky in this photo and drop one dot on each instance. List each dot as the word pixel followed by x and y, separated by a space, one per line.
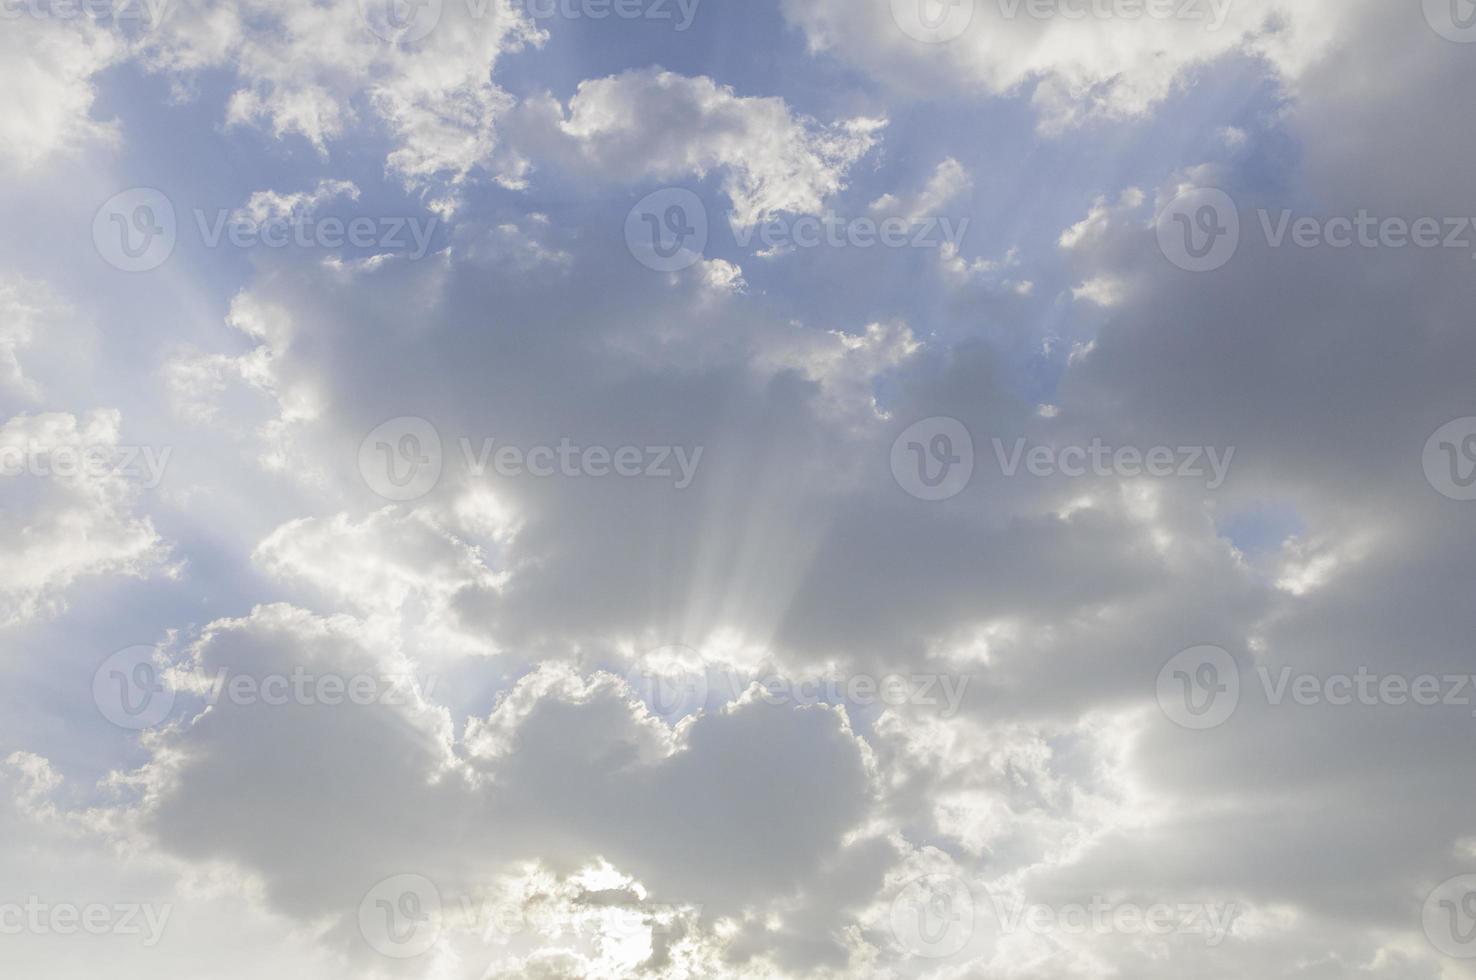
pixel 773 489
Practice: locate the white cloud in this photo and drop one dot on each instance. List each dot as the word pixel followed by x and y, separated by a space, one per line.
pixel 658 125
pixel 69 510
pixel 50 65
pixel 1076 67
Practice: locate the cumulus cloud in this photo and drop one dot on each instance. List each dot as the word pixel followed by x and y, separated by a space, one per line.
pixel 520 634
pixel 54 62
pixel 70 509
pixel 1076 61
pixel 658 125
pixel 312 70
